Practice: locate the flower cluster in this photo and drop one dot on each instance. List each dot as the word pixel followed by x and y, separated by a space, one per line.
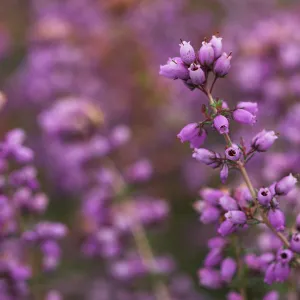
pixel 23 237
pixel 239 209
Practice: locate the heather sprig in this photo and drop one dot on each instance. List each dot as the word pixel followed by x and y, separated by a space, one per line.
pixel 234 210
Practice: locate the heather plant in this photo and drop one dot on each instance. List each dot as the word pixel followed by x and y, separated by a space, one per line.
pixel 237 211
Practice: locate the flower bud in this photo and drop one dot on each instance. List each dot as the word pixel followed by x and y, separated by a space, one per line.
pixel 213 258
pixel 193 134
pixel 228 269
pixel 285 256
pixel 277 219
pixel 281 272
pixel 243 116
pixel 196 74
pixel 216 43
pixel 226 228
pixel 206 54
pixel 272 295
pixel 233 153
pixel 249 106
pixel 209 278
pixel 221 124
pixel 285 185
pixel 224 173
pixel 236 217
pixel 187 52
pixel 234 296
pixel 222 65
pixel 210 195
pixel 295 242
pixel 209 214
pixel 264 196
pixel 216 242
pixel 228 203
pixel 270 274
pixel 174 69
pixel 207 157
pixel 263 140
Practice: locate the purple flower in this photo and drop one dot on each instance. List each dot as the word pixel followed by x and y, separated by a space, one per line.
pixel 297 225
pixel 277 219
pixel 140 171
pixel 295 242
pixel 211 195
pixel 281 271
pixel 243 116
pixel 272 295
pixel 226 228
pixel 221 124
pixel 207 157
pixel 187 52
pixel 252 261
pixel 174 69
pixel 222 65
pixel 53 295
pixel 263 140
pixel 233 153
pixel 270 274
pixel 209 214
pixel 206 54
pixel 234 296
pixel 216 43
pixel 249 106
pixel 264 196
pixel 196 74
pixel 228 203
pixel 224 173
pixel 192 133
pixel 285 256
pixel 236 217
pixel 228 269
pixel 216 242
pixel 285 185
pixel 209 278
pixel 213 258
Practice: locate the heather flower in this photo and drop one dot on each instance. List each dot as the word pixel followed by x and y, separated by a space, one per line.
pixel 221 124
pixel 211 195
pixel 233 153
pixel 281 271
pixel 213 258
pixel 295 242
pixel 228 269
pixel 140 171
pixel 297 223
pixel 174 69
pixel 285 185
pixel 264 196
pixel 228 203
pixel 272 295
pixel 270 276
pixel 263 140
pixel 209 278
pixel 207 157
pixel 243 116
pixel 216 43
pixel 197 75
pixel 236 217
pixel 217 242
pixel 285 256
pixel 192 133
pixel 224 173
pixel 206 54
pixel 277 219
pixel 209 214
pixel 54 295
pixel 226 228
pixel 222 65
pixel 249 106
pixel 187 52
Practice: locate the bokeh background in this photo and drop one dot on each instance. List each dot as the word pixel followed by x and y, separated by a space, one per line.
pixel 101 58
